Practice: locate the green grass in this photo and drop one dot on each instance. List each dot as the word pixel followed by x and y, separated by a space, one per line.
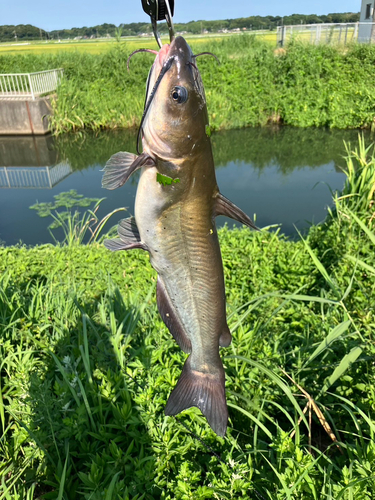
pixel 98 46
pixel 87 366
pixel 307 86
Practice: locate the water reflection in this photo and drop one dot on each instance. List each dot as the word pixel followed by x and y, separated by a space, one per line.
pixel 31 162
pixel 285 147
pixel 277 173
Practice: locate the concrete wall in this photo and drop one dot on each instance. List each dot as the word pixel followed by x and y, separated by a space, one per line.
pixel 20 117
pixel 27 151
pixel 366 32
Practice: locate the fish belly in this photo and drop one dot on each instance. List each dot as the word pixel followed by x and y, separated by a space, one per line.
pixel 181 237
pixel 184 251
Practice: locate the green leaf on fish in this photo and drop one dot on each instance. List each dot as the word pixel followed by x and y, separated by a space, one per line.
pixel 208 131
pixel 164 180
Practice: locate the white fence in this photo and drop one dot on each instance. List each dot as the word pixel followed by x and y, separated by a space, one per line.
pixel 34 177
pixel 29 85
pixel 332 33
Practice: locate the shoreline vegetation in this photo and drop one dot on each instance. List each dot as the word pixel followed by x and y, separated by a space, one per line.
pixel 302 86
pixel 87 366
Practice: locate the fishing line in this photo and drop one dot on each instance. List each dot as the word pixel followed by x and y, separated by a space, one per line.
pixel 167 65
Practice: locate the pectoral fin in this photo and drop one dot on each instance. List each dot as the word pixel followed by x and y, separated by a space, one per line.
pixel 129 237
pixel 120 166
pixel 223 206
pixel 170 317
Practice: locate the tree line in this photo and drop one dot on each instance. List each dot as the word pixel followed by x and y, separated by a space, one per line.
pixel 29 32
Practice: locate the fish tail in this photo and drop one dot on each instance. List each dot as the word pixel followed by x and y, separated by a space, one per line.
pixel 204 390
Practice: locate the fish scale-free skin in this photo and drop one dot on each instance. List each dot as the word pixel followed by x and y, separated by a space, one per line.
pixel 175 223
pixel 184 250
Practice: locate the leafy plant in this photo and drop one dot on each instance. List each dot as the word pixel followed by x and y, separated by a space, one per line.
pixel 76 227
pixel 86 367
pixel 306 86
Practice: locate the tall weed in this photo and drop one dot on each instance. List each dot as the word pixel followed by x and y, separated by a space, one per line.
pixel 87 365
pixel 305 86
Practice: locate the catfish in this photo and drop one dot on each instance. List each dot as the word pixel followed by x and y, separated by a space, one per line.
pixel 176 204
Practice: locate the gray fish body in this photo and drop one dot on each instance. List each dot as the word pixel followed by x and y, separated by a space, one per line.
pixel 178 227
pixel 175 223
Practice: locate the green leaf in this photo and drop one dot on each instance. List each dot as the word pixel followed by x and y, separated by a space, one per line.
pixel 62 480
pixel 320 267
pixel 111 487
pixel 363 226
pixel 331 337
pixel 361 263
pixel 345 363
pixel 165 180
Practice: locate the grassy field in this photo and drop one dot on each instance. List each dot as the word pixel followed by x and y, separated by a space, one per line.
pixel 303 86
pixel 98 46
pixel 87 366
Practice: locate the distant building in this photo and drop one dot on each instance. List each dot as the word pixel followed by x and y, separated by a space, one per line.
pixel 366 31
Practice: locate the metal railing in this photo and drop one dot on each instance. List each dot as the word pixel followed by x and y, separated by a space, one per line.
pixel 327 33
pixel 34 177
pixel 29 85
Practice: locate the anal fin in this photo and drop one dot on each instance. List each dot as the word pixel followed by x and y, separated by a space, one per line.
pixel 129 237
pixel 223 206
pixel 120 166
pixel 169 316
pixel 225 337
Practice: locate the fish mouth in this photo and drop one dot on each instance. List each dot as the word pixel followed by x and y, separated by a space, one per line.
pixel 163 54
pixel 178 48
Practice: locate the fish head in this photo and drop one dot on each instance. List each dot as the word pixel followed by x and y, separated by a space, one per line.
pixel 175 122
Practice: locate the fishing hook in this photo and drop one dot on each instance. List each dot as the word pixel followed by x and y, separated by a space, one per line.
pixel 160 10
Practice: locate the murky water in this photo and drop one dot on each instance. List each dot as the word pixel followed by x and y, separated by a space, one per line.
pixel 281 175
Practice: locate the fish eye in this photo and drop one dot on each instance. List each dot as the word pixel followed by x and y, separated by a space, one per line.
pixel 179 94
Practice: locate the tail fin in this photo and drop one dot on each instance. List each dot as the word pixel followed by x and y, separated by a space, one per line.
pixel 203 390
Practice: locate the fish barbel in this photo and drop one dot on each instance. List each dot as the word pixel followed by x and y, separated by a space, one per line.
pixel 175 208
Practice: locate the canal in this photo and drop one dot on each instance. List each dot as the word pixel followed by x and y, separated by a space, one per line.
pixel 280 176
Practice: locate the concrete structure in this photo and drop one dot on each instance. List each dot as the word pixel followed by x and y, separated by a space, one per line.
pixel 24 102
pixel 33 177
pixel 329 33
pixel 31 162
pixel 366 32
pixel 23 116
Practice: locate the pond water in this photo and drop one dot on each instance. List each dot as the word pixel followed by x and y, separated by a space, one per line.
pixel 282 175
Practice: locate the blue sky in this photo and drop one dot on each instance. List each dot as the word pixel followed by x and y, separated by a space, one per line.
pixel 59 14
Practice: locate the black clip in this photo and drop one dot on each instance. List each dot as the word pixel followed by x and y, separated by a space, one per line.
pixel 160 10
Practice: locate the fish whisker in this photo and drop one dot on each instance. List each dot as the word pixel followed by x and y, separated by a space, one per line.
pixel 207 54
pixel 136 52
